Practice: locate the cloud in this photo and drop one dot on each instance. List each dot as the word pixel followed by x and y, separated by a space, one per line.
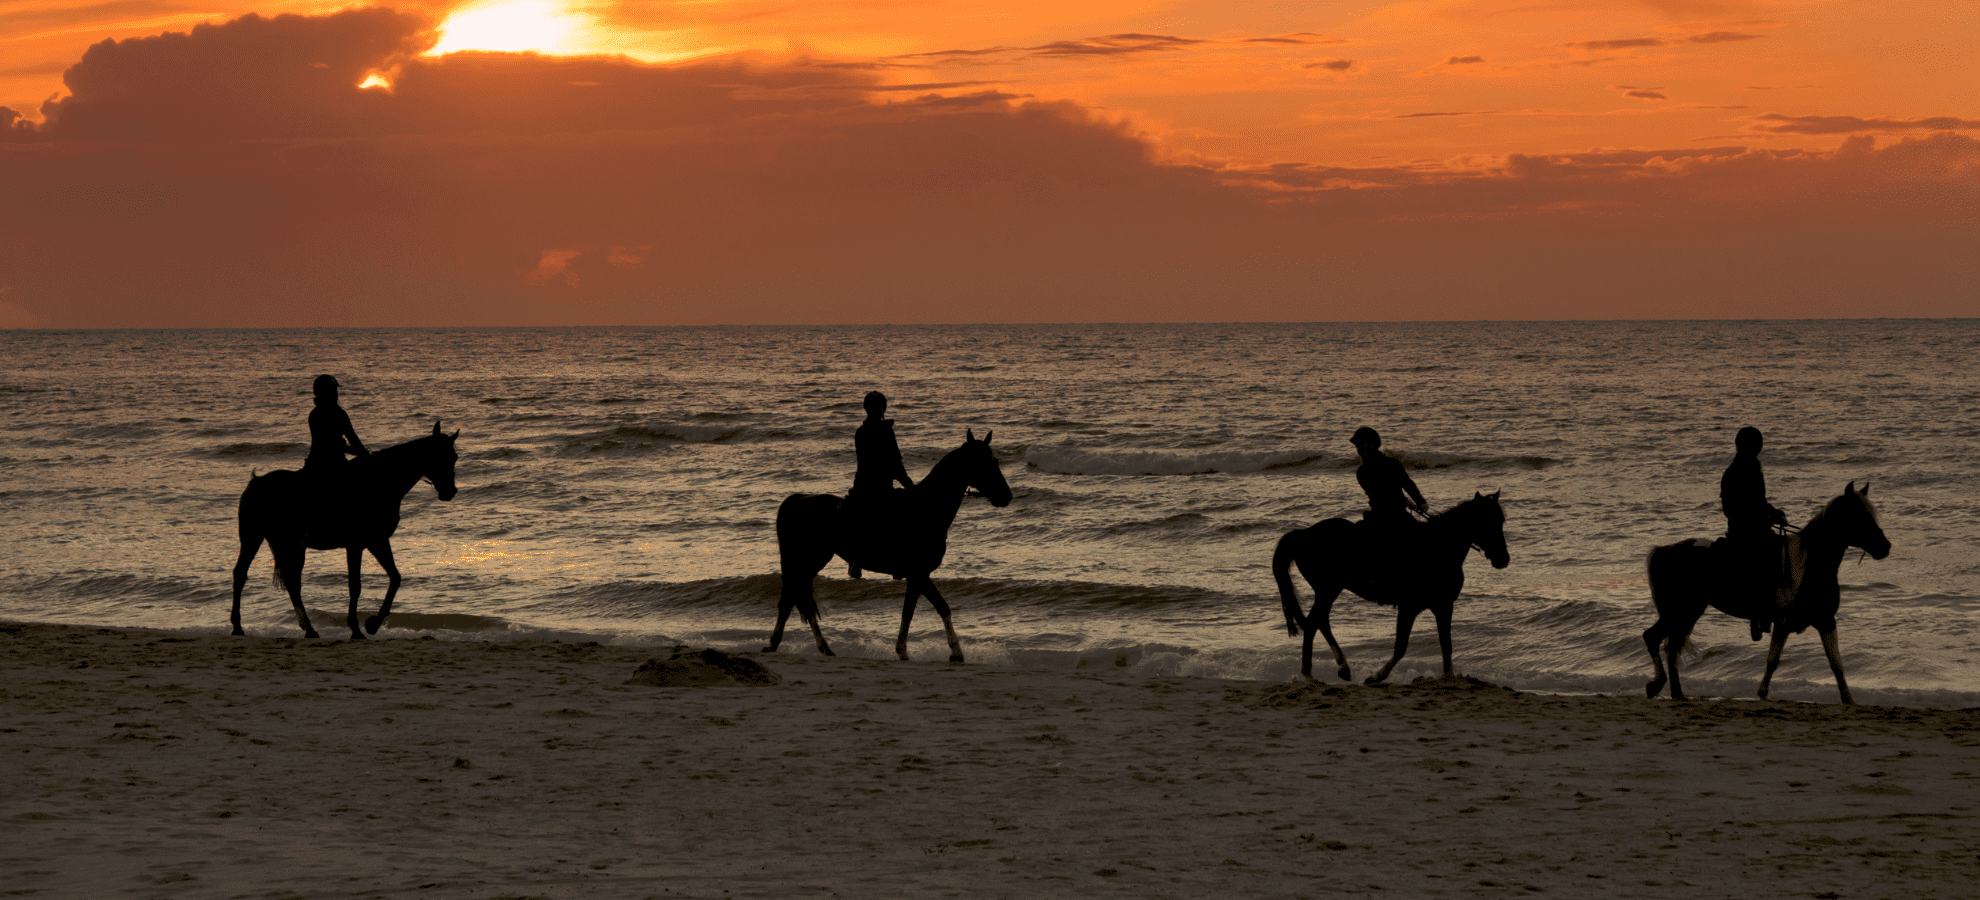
pixel 1432 115
pixel 219 177
pixel 114 12
pixel 1463 60
pixel 1618 44
pixel 1301 38
pixel 1851 124
pixel 1336 65
pixel 1720 37
pixel 1715 37
pixel 1647 94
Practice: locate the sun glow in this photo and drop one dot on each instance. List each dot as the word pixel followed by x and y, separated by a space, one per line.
pixel 375 80
pixel 540 26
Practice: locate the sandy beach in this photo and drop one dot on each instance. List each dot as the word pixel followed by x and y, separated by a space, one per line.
pixel 146 764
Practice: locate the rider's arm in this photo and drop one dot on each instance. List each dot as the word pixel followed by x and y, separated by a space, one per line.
pixel 900 467
pixel 350 435
pixel 1409 487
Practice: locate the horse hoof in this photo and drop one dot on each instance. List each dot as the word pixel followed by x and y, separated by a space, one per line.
pixel 357 635
pixel 371 624
pixel 311 635
pixel 1345 676
pixel 770 649
pixel 238 632
pixel 955 657
pixel 1650 690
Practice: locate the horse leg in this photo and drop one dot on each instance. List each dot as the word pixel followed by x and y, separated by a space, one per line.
pixel 354 561
pixel 1667 637
pixel 1653 640
pixel 1322 621
pixel 1672 648
pixel 914 588
pixel 798 566
pixel 1835 663
pixel 382 551
pixel 949 628
pixel 1773 659
pixel 289 563
pixel 249 547
pixel 1405 618
pixel 1443 613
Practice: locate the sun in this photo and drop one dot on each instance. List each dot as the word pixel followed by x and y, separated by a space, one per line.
pixel 516 26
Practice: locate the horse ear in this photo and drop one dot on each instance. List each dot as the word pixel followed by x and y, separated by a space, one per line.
pixel 1851 489
pixel 1495 494
pixel 988 435
pixel 969 434
pixel 456 434
pixel 436 427
pixel 1478 495
pixel 1864 491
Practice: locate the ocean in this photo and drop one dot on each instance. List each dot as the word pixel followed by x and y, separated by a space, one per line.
pixel 621 484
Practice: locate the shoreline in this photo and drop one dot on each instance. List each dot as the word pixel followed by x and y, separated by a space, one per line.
pixel 160 764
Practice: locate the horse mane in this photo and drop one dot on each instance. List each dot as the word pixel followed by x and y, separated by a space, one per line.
pixel 407 446
pixel 1466 508
pixel 1834 504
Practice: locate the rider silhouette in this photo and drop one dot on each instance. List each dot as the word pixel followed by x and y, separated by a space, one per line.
pixel 1383 479
pixel 330 439
pixel 879 466
pixel 330 434
pixel 1751 520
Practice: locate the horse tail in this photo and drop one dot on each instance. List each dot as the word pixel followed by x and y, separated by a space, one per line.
pixel 1282 560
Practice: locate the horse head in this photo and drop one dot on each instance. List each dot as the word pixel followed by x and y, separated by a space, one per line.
pixel 1857 519
pixel 981 470
pixel 437 464
pixel 1484 523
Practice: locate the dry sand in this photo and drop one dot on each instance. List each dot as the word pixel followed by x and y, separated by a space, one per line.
pixel 149 765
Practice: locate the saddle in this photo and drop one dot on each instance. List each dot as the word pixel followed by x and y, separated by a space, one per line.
pixel 874 517
pixel 1755 567
pixel 327 494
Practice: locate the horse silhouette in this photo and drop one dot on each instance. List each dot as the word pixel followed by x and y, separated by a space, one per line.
pixel 908 540
pixel 1425 573
pixel 1686 577
pixel 282 509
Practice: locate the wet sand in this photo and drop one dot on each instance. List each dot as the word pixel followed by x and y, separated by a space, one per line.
pixel 150 765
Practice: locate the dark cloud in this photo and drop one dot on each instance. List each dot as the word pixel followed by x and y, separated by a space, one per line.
pixel 1720 37
pixel 1115 45
pixel 1463 60
pixel 1646 94
pixel 171 189
pixel 1430 115
pixel 1781 124
pixel 1337 65
pixel 1302 38
pixel 1618 44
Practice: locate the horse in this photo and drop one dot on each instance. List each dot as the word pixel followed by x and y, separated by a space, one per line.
pixel 1335 555
pixel 278 508
pixel 1688 576
pixel 811 529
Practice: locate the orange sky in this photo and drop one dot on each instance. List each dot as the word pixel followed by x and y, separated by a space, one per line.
pixel 864 160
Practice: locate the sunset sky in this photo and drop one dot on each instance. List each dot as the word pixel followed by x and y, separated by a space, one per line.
pixel 542 162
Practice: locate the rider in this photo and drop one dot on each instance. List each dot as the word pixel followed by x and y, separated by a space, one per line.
pixel 1385 482
pixel 330 434
pixel 879 464
pixel 330 439
pixel 1750 519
